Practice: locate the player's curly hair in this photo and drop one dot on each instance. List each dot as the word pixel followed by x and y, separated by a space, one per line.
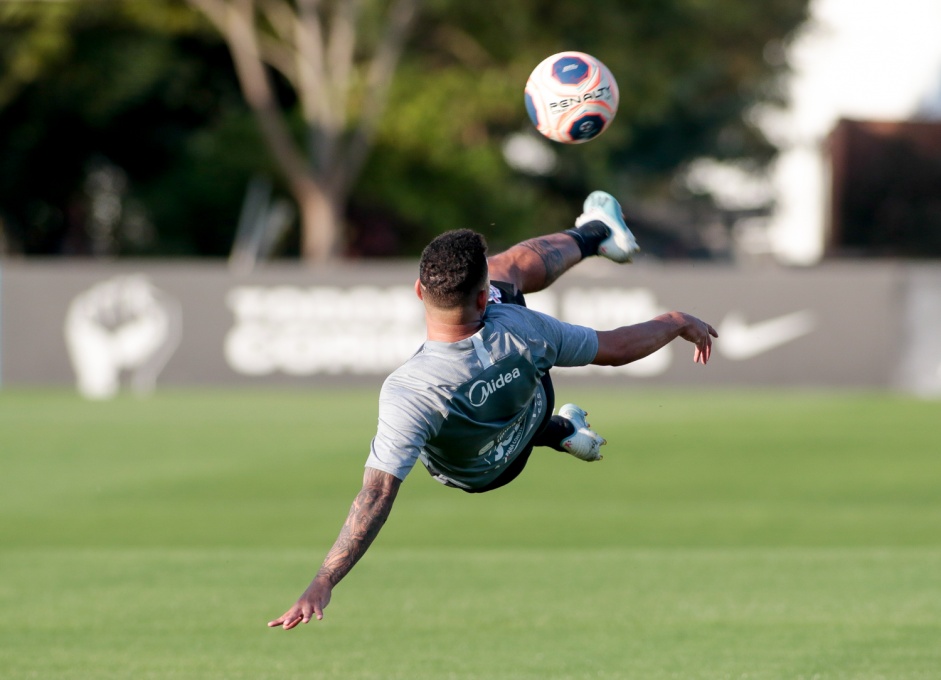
pixel 452 267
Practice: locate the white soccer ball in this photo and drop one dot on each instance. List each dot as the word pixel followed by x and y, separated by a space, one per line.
pixel 571 97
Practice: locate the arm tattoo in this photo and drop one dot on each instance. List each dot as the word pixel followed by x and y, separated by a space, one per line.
pixel 552 258
pixel 369 512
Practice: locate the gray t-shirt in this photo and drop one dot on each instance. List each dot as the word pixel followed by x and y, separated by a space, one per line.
pixel 468 408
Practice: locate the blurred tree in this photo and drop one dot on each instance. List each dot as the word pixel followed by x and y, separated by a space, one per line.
pixel 690 72
pixel 431 142
pixel 339 58
pixel 122 131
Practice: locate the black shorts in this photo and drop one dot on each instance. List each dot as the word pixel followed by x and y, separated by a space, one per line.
pixel 501 292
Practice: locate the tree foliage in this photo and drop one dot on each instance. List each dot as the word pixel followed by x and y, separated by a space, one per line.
pixel 145 93
pixel 123 133
pixel 689 73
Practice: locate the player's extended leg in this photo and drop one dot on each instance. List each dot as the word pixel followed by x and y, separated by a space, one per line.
pixel 600 230
pixel 534 264
pixel 570 432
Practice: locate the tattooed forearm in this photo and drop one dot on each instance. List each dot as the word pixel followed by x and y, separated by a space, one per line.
pixel 552 257
pixel 369 512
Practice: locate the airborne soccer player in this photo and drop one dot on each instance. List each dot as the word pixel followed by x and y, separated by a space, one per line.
pixel 475 399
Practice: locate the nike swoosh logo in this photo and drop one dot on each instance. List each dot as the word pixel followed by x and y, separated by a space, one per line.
pixel 739 340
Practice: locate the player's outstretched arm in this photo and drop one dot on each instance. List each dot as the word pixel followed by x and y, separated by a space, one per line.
pixel 369 512
pixel 630 343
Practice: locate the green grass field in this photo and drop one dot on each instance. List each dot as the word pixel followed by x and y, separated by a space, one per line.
pixel 726 535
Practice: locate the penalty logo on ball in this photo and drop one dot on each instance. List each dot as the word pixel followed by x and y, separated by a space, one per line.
pixel 571 97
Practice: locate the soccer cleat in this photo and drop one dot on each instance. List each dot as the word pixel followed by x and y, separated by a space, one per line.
pixel 585 444
pixel 620 245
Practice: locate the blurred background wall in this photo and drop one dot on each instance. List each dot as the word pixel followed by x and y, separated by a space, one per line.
pixel 134 327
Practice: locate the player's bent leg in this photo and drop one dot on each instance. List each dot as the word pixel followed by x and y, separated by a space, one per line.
pixel 556 430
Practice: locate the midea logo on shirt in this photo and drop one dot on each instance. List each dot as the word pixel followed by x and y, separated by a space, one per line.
pixel 480 391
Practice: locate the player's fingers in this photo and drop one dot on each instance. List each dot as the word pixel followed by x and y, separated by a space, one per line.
pixel 292 621
pixel 703 351
pixel 287 620
pixel 278 621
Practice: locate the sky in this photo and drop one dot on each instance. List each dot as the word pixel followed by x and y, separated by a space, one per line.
pixel 861 59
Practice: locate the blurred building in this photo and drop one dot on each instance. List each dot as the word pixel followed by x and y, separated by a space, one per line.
pixel 863 60
pixel 885 189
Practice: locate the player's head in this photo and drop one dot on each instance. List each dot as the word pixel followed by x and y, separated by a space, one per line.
pixel 453 268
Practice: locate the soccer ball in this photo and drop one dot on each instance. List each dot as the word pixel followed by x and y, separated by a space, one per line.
pixel 571 97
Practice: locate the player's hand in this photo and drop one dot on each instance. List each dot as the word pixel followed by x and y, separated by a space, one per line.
pixel 309 605
pixel 700 334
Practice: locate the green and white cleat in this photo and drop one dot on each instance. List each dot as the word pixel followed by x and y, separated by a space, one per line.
pixel 585 444
pixel 620 245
